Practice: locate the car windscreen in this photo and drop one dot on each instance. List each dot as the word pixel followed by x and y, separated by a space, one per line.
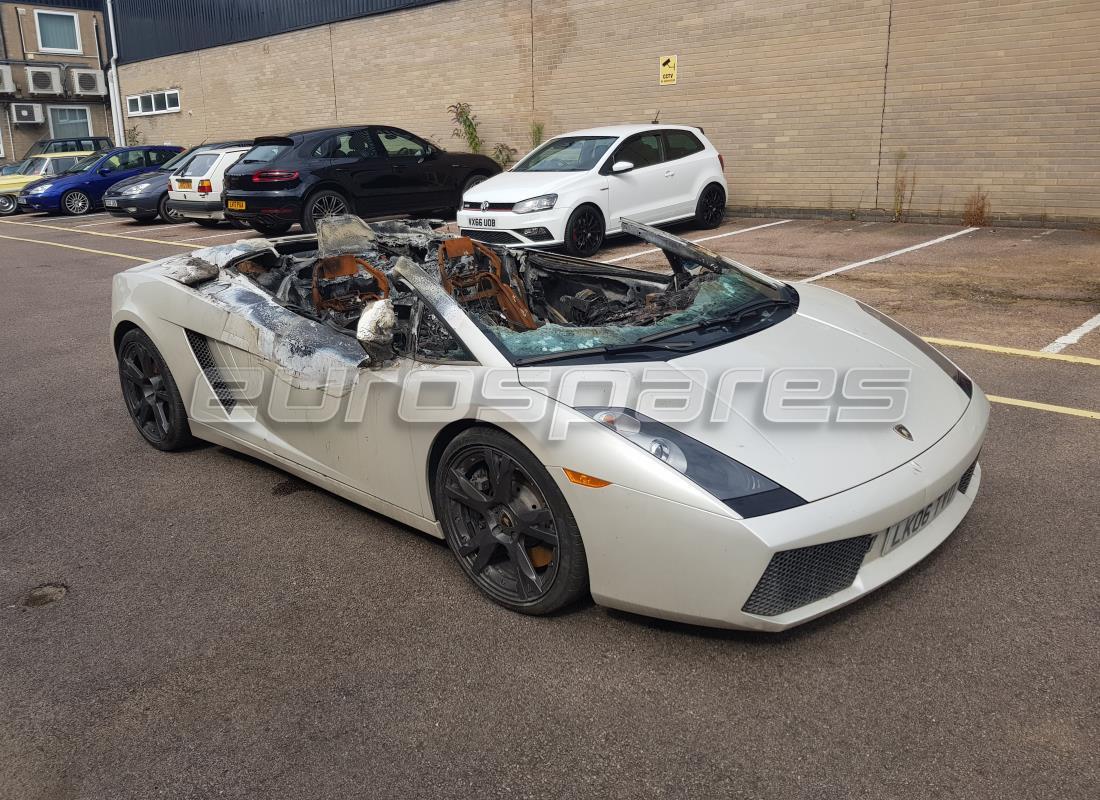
pixel 85 164
pixel 176 160
pixel 566 154
pixel 199 165
pixel 267 151
pixel 28 166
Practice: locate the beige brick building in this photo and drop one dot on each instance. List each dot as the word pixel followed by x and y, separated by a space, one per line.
pixel 58 45
pixel 822 106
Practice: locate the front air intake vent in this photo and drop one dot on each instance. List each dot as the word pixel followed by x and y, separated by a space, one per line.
pixel 795 578
pixel 964 481
pixel 200 346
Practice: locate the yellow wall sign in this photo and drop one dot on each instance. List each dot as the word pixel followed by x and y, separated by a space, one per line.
pixel 668 70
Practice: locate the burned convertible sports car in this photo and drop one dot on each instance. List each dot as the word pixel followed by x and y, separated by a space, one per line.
pixel 707 445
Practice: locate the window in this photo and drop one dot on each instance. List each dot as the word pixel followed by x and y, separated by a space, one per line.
pixel 681 143
pixel 58 165
pixel 566 154
pixel 399 144
pixel 641 151
pixel 166 102
pixel 69 122
pixel 58 32
pixel 158 157
pixel 199 165
pixel 131 159
pixel 346 145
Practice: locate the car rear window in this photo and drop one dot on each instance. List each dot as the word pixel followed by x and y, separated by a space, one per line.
pixel 199 165
pixel 264 152
pixel 681 143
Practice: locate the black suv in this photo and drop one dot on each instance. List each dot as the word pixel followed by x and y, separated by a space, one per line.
pixel 90 143
pixel 369 170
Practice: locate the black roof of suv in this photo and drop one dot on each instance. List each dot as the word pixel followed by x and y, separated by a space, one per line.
pixel 70 145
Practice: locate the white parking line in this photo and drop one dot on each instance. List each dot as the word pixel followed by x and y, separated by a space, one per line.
pixel 111 221
pixel 74 220
pixel 1073 337
pixel 239 234
pixel 703 239
pixel 876 259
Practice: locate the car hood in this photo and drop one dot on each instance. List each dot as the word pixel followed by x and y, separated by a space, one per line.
pixel 511 187
pixel 12 182
pixel 158 179
pixel 812 459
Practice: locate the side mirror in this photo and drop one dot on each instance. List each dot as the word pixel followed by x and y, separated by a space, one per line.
pixel 375 331
pixel 104 171
pixel 622 166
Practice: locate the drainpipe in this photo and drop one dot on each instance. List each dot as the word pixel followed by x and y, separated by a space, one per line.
pixel 112 80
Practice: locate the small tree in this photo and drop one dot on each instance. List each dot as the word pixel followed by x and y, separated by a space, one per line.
pixel 503 154
pixel 466 125
pixel 537 131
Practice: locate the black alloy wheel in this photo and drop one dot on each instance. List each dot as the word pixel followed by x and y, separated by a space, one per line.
pixel 508 524
pixel 321 205
pixel 584 232
pixel 150 392
pixel 711 208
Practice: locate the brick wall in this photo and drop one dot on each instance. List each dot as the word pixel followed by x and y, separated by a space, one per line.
pixel 796 94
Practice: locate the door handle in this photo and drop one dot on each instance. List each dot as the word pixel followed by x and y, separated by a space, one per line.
pixel 669 173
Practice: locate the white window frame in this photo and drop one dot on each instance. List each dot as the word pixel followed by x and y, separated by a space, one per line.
pixel 87 112
pixel 165 92
pixel 79 51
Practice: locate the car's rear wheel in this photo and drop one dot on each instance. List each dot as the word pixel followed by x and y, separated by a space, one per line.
pixel 584 232
pixel 8 205
pixel 508 523
pixel 710 209
pixel 276 229
pixel 76 203
pixel 151 394
pixel 167 214
pixel 325 203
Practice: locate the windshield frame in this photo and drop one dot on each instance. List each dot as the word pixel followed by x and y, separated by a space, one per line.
pixel 573 138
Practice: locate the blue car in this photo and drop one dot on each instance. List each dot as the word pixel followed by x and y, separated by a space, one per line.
pixel 81 188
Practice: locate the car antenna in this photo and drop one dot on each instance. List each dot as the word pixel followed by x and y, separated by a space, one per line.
pixel 656 117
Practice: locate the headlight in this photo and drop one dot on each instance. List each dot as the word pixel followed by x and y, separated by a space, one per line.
pixel 136 189
pixel 744 490
pixel 961 379
pixel 39 188
pixel 543 202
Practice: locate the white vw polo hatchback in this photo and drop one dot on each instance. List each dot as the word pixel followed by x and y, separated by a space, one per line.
pixel 574 189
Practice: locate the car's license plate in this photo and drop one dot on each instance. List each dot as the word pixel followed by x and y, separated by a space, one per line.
pixel 235 205
pixel 182 184
pixel 903 531
pixel 482 222
pixel 111 203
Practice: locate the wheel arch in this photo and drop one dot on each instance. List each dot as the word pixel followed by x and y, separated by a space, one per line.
pixel 444 437
pixel 121 329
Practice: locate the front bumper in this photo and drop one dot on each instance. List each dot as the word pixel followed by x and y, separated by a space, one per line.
pixel 198 209
pixel 539 229
pixel 126 205
pixel 39 202
pixel 664 559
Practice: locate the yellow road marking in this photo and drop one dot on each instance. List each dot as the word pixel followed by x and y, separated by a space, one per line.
pixel 74 247
pixel 1073 412
pixel 97 233
pixel 1013 351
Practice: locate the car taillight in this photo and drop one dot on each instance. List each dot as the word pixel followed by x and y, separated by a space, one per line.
pixel 273 176
pixel 722 161
pixel 205 187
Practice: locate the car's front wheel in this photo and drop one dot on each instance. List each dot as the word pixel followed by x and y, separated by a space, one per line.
pixel 168 214
pixel 325 203
pixel 8 205
pixel 151 394
pixel 584 232
pixel 508 523
pixel 710 209
pixel 76 203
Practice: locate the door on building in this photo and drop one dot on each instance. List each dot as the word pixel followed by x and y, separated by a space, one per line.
pixel 70 122
pixel 420 180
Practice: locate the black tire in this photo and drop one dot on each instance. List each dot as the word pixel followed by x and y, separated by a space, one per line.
pixel 150 393
pixel 75 203
pixel 8 205
pixel 207 223
pixel 166 214
pixel 278 229
pixel 508 524
pixel 474 180
pixel 325 203
pixel 584 232
pixel 710 209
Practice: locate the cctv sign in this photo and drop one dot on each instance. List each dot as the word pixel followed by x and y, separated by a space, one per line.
pixel 667 70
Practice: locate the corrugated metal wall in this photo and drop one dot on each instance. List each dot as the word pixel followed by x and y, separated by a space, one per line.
pixel 151 29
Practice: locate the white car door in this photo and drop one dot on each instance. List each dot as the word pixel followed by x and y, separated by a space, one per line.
pixel 685 168
pixel 640 193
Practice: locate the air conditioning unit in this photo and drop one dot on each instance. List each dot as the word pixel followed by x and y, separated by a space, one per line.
pixel 7 85
pixel 26 113
pixel 88 82
pixel 43 80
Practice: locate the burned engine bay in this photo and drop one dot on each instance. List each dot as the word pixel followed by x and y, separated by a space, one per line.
pixel 532 302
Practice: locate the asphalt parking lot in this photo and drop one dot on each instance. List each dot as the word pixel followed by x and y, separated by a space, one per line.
pixel 230 631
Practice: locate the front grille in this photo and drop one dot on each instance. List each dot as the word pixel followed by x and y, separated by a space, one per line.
pixel 492 237
pixel 964 481
pixel 795 578
pixel 470 205
pixel 200 346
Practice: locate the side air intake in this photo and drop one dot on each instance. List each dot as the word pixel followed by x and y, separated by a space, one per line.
pixel 200 346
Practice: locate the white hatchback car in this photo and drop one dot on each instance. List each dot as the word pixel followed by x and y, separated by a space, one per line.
pixel 575 188
pixel 195 189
